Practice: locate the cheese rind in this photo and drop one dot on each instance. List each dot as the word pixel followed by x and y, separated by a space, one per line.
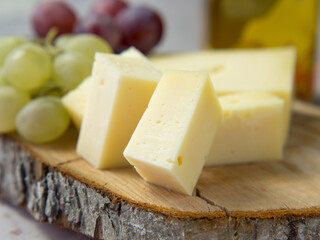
pixel 120 92
pixel 75 101
pixel 232 71
pixel 174 135
pixel 251 129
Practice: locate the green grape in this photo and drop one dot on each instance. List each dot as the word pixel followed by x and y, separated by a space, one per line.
pixel 44 119
pixel 69 69
pixel 7 44
pixel 11 101
pixel 49 88
pixel 3 79
pixel 62 40
pixel 88 45
pixel 28 67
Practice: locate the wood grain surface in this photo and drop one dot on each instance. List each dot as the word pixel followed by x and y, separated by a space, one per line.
pixel 264 190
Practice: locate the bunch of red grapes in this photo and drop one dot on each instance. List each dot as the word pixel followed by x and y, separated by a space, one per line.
pixel 120 24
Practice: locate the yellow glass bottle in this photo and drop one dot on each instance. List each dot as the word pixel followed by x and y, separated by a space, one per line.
pixel 269 23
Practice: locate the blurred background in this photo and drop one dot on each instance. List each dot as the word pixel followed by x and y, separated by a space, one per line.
pixel 192 25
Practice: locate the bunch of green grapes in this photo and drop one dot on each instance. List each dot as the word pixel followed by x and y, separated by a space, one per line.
pixel 34 74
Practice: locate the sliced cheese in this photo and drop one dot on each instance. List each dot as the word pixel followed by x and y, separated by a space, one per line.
pixel 251 129
pixel 133 52
pixel 174 135
pixel 75 101
pixel 232 71
pixel 120 92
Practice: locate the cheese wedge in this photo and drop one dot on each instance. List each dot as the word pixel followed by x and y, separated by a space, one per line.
pixel 174 135
pixel 133 52
pixel 120 92
pixel 75 101
pixel 251 129
pixel 232 71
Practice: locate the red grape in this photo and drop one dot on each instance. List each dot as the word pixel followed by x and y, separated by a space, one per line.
pixel 121 48
pixel 141 27
pixel 102 26
pixel 108 7
pixel 53 14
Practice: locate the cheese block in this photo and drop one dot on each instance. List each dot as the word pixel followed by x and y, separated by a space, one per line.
pixel 270 69
pixel 251 129
pixel 120 92
pixel 174 135
pixel 133 52
pixel 75 101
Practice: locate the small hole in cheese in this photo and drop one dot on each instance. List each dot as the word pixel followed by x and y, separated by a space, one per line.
pixel 158 121
pixel 169 161
pixel 101 81
pixel 180 160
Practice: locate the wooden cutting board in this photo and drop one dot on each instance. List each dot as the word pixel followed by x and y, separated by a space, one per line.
pixel 278 200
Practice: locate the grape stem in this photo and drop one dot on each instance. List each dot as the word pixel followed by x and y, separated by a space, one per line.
pixel 50 91
pixel 52 34
pixel 48 42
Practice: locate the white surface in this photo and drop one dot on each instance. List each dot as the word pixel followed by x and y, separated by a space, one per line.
pixel 17 224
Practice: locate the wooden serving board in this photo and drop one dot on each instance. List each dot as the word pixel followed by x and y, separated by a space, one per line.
pixel 279 200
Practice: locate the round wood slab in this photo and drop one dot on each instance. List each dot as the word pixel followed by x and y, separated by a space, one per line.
pixel 277 200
